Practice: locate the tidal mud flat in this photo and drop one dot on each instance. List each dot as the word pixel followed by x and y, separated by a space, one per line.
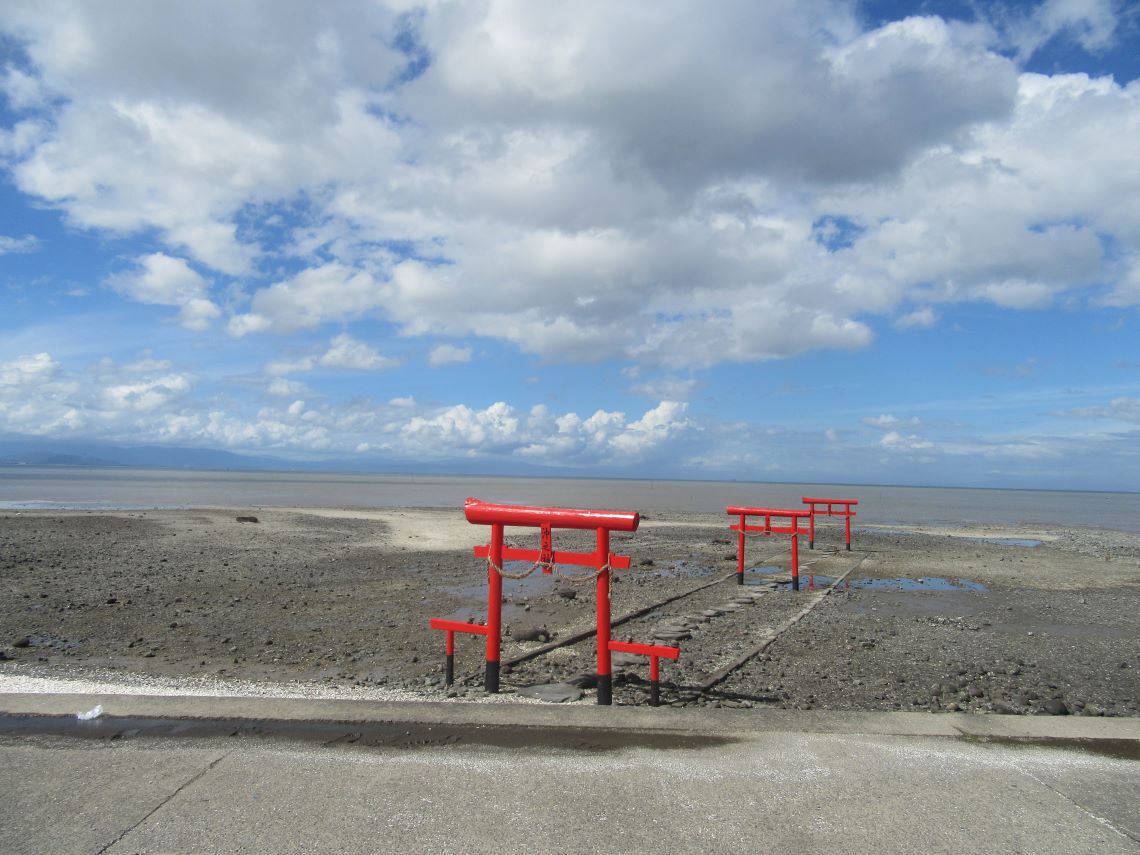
pixel 1011 620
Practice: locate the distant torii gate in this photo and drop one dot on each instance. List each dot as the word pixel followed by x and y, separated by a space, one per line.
pixel 831 508
pixel 792 527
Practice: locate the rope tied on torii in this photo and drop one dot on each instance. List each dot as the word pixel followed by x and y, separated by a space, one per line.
pixel 550 567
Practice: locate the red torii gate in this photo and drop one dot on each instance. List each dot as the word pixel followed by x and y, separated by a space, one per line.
pixel 601 559
pixel 792 527
pixel 829 509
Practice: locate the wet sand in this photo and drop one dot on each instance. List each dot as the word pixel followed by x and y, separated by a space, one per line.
pixel 336 603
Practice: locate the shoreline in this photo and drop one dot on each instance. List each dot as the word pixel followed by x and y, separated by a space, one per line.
pixel 392 515
pixel 141 489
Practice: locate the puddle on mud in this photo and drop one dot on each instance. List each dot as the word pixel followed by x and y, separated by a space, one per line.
pixel 759 575
pixel 515 593
pixel 534 585
pixel 922 583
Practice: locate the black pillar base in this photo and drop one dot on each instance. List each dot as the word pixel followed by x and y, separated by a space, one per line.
pixel 739 578
pixel 811 544
pixel 849 547
pixel 492 681
pixel 605 689
pixel 449 676
pixel 795 583
pixel 654 694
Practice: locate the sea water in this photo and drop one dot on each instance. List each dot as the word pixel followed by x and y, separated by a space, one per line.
pixel 125 488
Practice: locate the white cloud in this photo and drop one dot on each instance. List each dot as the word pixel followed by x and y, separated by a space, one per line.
pixel 884 421
pixel 148 402
pixel 887 421
pixel 27 370
pixel 326 293
pixel 22 138
pixel 1018 294
pixel 160 279
pixel 666 388
pixel 780 85
pixel 343 351
pixel 290 366
pixel 1091 23
pixel 898 442
pixel 1127 289
pixel 283 388
pixel 918 319
pixel 651 430
pixel 163 280
pixel 564 184
pixel 197 313
pixel 460 429
pixel 145 396
pixel 242 325
pixel 1123 408
pixel 148 136
pixel 146 364
pixel 346 352
pixel 448 354
pixel 23 91
pixel 40 397
pixel 28 243
pixel 1014 214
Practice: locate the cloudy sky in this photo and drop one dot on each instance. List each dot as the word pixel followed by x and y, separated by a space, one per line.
pixel 806 240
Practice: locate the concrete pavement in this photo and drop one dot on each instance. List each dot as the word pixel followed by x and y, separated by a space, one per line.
pixel 257 775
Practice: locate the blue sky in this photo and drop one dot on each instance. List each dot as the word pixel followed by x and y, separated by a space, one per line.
pixel 805 241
